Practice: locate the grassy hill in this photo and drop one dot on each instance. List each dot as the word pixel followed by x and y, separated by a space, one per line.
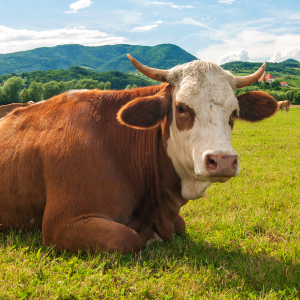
pixel 100 59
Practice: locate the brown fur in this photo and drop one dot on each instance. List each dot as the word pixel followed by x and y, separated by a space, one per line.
pixel 5 109
pixel 68 166
pixel 284 105
pixel 256 106
pixel 146 112
pixel 185 120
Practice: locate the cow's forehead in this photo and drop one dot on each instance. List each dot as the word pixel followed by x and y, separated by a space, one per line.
pixel 204 82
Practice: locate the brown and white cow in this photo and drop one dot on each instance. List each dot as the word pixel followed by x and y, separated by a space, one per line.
pixel 110 170
pixel 5 109
pixel 284 105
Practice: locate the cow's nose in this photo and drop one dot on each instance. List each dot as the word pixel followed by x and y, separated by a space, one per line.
pixel 221 165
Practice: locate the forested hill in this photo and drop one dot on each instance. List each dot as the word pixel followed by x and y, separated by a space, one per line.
pixel 101 58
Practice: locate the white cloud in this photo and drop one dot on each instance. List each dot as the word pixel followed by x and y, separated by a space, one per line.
pixel 144 28
pixel 261 44
pixel 13 40
pixel 173 5
pixel 240 55
pixel 191 21
pixel 79 5
pixel 227 1
pixel 281 55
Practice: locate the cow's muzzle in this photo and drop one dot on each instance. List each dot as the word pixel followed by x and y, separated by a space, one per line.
pixel 221 165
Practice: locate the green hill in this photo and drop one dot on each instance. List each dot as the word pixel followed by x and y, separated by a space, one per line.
pixel 289 66
pixel 291 60
pixel 100 59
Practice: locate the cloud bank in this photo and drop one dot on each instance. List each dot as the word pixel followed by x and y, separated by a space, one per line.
pixel 292 52
pixel 260 45
pixel 13 40
pixel 240 55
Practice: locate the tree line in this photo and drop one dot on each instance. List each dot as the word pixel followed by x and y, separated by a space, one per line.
pixel 14 91
pixel 280 94
pixel 41 85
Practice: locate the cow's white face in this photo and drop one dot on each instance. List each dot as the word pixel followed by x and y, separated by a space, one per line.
pixel 197 123
pixel 203 103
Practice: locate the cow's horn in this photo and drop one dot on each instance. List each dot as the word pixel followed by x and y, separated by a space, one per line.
pixel 248 80
pixel 156 74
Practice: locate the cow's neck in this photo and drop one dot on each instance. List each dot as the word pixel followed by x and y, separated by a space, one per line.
pixel 167 184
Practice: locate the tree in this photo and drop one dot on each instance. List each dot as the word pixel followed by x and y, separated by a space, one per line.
pixel 134 86
pixel 50 89
pixel 86 83
pixel 290 94
pixel 35 92
pixel 69 85
pixel 265 85
pixel 107 85
pixel 1 100
pixel 101 85
pixel 62 86
pixel 11 90
pixel 296 99
pixel 128 87
pixel 25 96
pixel 275 84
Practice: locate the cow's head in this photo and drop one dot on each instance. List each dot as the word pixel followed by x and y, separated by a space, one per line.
pixel 199 107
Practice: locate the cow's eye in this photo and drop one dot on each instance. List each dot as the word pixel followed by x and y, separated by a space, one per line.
pixel 235 113
pixel 180 109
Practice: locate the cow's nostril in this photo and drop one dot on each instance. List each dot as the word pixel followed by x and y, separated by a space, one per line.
pixel 234 165
pixel 210 163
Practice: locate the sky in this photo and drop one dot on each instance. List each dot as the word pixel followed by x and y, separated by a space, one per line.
pixel 218 30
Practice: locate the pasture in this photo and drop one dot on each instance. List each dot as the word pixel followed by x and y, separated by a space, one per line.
pixel 242 239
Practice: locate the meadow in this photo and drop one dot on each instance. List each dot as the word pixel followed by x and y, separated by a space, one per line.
pixel 242 239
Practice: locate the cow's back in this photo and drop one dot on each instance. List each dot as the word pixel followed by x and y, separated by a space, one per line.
pixel 5 109
pixel 70 146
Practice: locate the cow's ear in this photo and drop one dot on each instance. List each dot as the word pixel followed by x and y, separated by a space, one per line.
pixel 256 106
pixel 146 112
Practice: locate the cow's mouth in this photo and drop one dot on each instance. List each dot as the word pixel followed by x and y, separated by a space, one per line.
pixel 214 179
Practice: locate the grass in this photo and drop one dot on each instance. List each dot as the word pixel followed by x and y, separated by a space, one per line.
pixel 242 239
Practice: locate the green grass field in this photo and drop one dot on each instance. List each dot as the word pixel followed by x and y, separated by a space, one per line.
pixel 242 239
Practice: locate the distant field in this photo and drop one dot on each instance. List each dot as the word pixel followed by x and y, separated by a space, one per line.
pixel 242 239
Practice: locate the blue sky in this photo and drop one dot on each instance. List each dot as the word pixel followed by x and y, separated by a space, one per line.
pixel 217 30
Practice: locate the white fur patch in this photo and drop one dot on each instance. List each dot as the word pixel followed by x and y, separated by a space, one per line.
pixel 71 92
pixel 208 90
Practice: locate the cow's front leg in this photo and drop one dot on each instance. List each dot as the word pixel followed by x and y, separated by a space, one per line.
pixel 179 224
pixel 93 233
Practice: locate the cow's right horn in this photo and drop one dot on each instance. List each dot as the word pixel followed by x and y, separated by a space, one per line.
pixel 156 74
pixel 248 80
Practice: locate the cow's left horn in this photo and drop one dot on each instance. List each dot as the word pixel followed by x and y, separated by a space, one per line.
pixel 156 74
pixel 248 80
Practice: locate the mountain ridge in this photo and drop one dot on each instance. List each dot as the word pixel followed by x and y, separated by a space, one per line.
pixel 99 58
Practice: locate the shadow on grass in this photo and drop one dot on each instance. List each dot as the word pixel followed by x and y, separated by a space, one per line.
pixel 258 273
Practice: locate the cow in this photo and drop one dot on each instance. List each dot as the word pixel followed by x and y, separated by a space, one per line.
pixel 105 171
pixel 5 109
pixel 284 105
